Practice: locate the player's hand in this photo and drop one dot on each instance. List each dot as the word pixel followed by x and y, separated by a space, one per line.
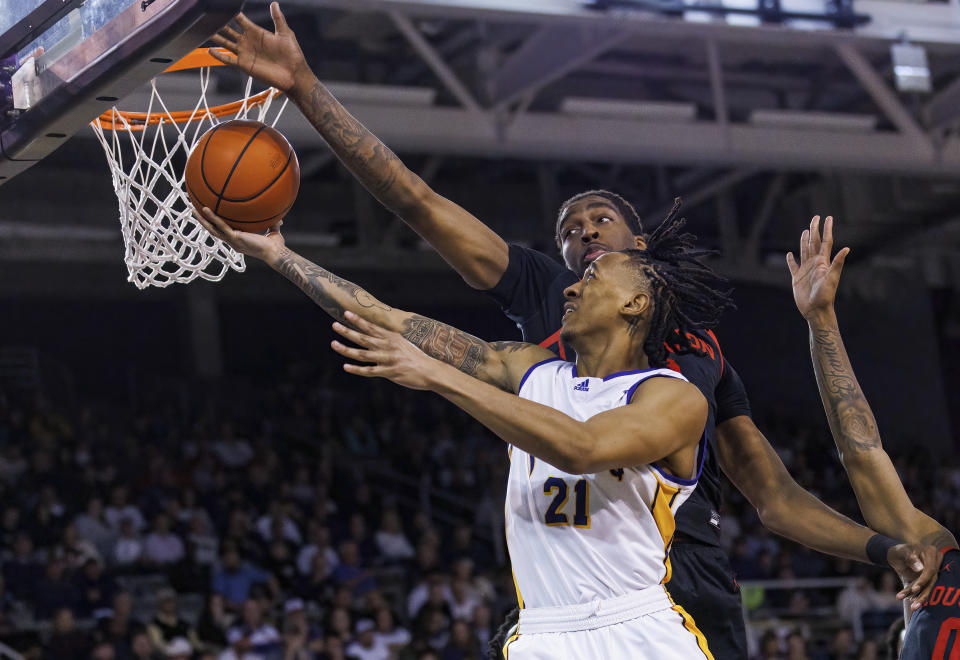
pixel 816 277
pixel 918 567
pixel 261 246
pixel 274 58
pixel 387 354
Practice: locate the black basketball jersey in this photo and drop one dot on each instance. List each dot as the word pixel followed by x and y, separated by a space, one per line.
pixel 934 630
pixel 531 294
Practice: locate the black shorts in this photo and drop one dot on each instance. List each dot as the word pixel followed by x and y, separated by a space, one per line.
pixel 703 584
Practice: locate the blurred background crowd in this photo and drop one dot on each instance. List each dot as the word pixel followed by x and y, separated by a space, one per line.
pixel 331 517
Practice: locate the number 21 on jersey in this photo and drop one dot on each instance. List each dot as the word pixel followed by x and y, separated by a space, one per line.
pixel 555 516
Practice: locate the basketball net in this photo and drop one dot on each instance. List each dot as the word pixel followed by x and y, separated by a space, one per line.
pixel 163 242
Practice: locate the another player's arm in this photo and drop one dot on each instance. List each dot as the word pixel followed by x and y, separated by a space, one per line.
pixel 885 504
pixel 498 363
pixel 665 415
pixel 784 507
pixel 469 246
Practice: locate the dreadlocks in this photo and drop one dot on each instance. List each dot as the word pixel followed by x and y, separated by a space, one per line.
pixel 630 215
pixel 687 293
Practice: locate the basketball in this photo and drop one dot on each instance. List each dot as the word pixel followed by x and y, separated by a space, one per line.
pixel 246 172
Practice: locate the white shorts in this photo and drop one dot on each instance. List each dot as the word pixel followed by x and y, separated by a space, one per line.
pixel 639 626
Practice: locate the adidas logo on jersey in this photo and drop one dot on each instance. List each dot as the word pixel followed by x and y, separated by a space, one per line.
pixel 583 387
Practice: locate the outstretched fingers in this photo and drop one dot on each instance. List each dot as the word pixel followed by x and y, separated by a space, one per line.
pixel 836 266
pixel 815 236
pixel 358 354
pixel 826 245
pixel 366 326
pixel 245 23
pixel 225 51
pixel 279 21
pixel 358 338
pixel 792 264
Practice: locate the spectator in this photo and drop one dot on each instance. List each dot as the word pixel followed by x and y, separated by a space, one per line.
pixel 392 543
pixel 319 544
pixel 769 646
pixel 320 585
pixel 300 638
pixel 22 571
pixel 54 591
pixel 92 526
pixel 178 649
pixel 277 523
pixel 213 624
pixel 128 550
pixel 67 643
pixel 140 647
pixel 162 547
pixel 279 563
pixel 96 589
pixel 462 644
pixel 235 577
pixel 360 535
pixel 233 452
pixel 842 645
pixel 103 651
pixel 339 623
pixel 118 626
pixel 332 648
pixel 367 646
pixel 394 637
pixel 349 572
pixel 10 525
pixel 240 647
pixel 463 600
pixel 796 646
pixel 202 545
pixel 482 625
pixel 263 637
pixel 167 625
pixel 120 509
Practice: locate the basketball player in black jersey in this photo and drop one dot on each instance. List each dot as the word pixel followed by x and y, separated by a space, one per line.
pixel 529 286
pixel 933 632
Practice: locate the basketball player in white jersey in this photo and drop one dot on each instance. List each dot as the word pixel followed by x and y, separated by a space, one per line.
pixel 603 451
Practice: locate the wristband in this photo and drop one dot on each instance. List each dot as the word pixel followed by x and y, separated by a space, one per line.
pixel 877 548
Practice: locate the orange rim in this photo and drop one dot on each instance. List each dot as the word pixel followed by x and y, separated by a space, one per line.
pixel 121 120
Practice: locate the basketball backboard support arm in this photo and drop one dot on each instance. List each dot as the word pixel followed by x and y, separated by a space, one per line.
pixel 134 46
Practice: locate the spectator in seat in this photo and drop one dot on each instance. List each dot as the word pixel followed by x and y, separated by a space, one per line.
pixel 92 526
pixel 162 547
pixel 301 640
pixel 166 624
pixel 462 644
pixel 367 646
pixel 54 591
pixel 178 649
pixel 392 543
pixel 128 551
pixel 263 637
pixel 67 643
pixel 349 571
pixel 234 578
pixel 387 632
pixel 96 588
pixel 22 571
pixel 213 623
pixel 319 544
pixel 463 600
pixel 120 509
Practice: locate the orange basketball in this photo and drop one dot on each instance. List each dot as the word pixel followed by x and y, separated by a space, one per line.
pixel 246 172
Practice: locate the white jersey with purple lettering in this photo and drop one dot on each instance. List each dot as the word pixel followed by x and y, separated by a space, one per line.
pixel 600 539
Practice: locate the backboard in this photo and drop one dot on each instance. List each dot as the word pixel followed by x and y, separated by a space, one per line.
pixel 63 62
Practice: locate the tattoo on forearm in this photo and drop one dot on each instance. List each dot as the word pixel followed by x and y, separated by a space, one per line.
pixel 321 285
pixel 374 165
pixel 445 343
pixel 509 346
pixel 848 412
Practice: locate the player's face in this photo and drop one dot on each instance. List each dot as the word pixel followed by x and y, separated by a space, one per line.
pixel 590 228
pixel 596 302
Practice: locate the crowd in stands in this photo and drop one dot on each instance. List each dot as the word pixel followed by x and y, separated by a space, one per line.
pixel 324 518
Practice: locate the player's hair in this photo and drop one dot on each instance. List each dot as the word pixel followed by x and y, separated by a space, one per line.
pixel 687 293
pixel 625 208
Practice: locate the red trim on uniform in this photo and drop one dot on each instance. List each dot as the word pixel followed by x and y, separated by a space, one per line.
pixel 555 338
pixel 944 550
pixel 717 344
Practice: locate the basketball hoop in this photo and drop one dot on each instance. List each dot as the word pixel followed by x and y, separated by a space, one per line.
pixel 163 242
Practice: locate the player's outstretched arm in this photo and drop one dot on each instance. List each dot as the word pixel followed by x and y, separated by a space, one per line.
pixel 500 364
pixel 275 58
pixel 665 416
pixel 884 502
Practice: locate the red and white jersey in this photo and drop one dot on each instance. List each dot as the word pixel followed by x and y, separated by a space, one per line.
pixel 576 538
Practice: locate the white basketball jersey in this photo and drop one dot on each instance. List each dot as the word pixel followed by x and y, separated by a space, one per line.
pixel 575 538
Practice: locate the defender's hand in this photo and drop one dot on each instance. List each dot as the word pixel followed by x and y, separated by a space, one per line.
pixel 816 277
pixel 261 246
pixel 390 354
pixel 918 567
pixel 274 58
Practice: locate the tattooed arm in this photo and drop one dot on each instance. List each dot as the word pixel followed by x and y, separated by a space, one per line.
pixel 501 364
pixel 469 246
pixel 884 502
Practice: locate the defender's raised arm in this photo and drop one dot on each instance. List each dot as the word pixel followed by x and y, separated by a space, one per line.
pixel 884 502
pixel 275 58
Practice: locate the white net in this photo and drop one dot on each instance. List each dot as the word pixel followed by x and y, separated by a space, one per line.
pixel 163 242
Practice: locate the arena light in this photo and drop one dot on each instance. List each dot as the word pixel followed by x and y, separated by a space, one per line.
pixel 819 120
pixel 911 72
pixel 619 109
